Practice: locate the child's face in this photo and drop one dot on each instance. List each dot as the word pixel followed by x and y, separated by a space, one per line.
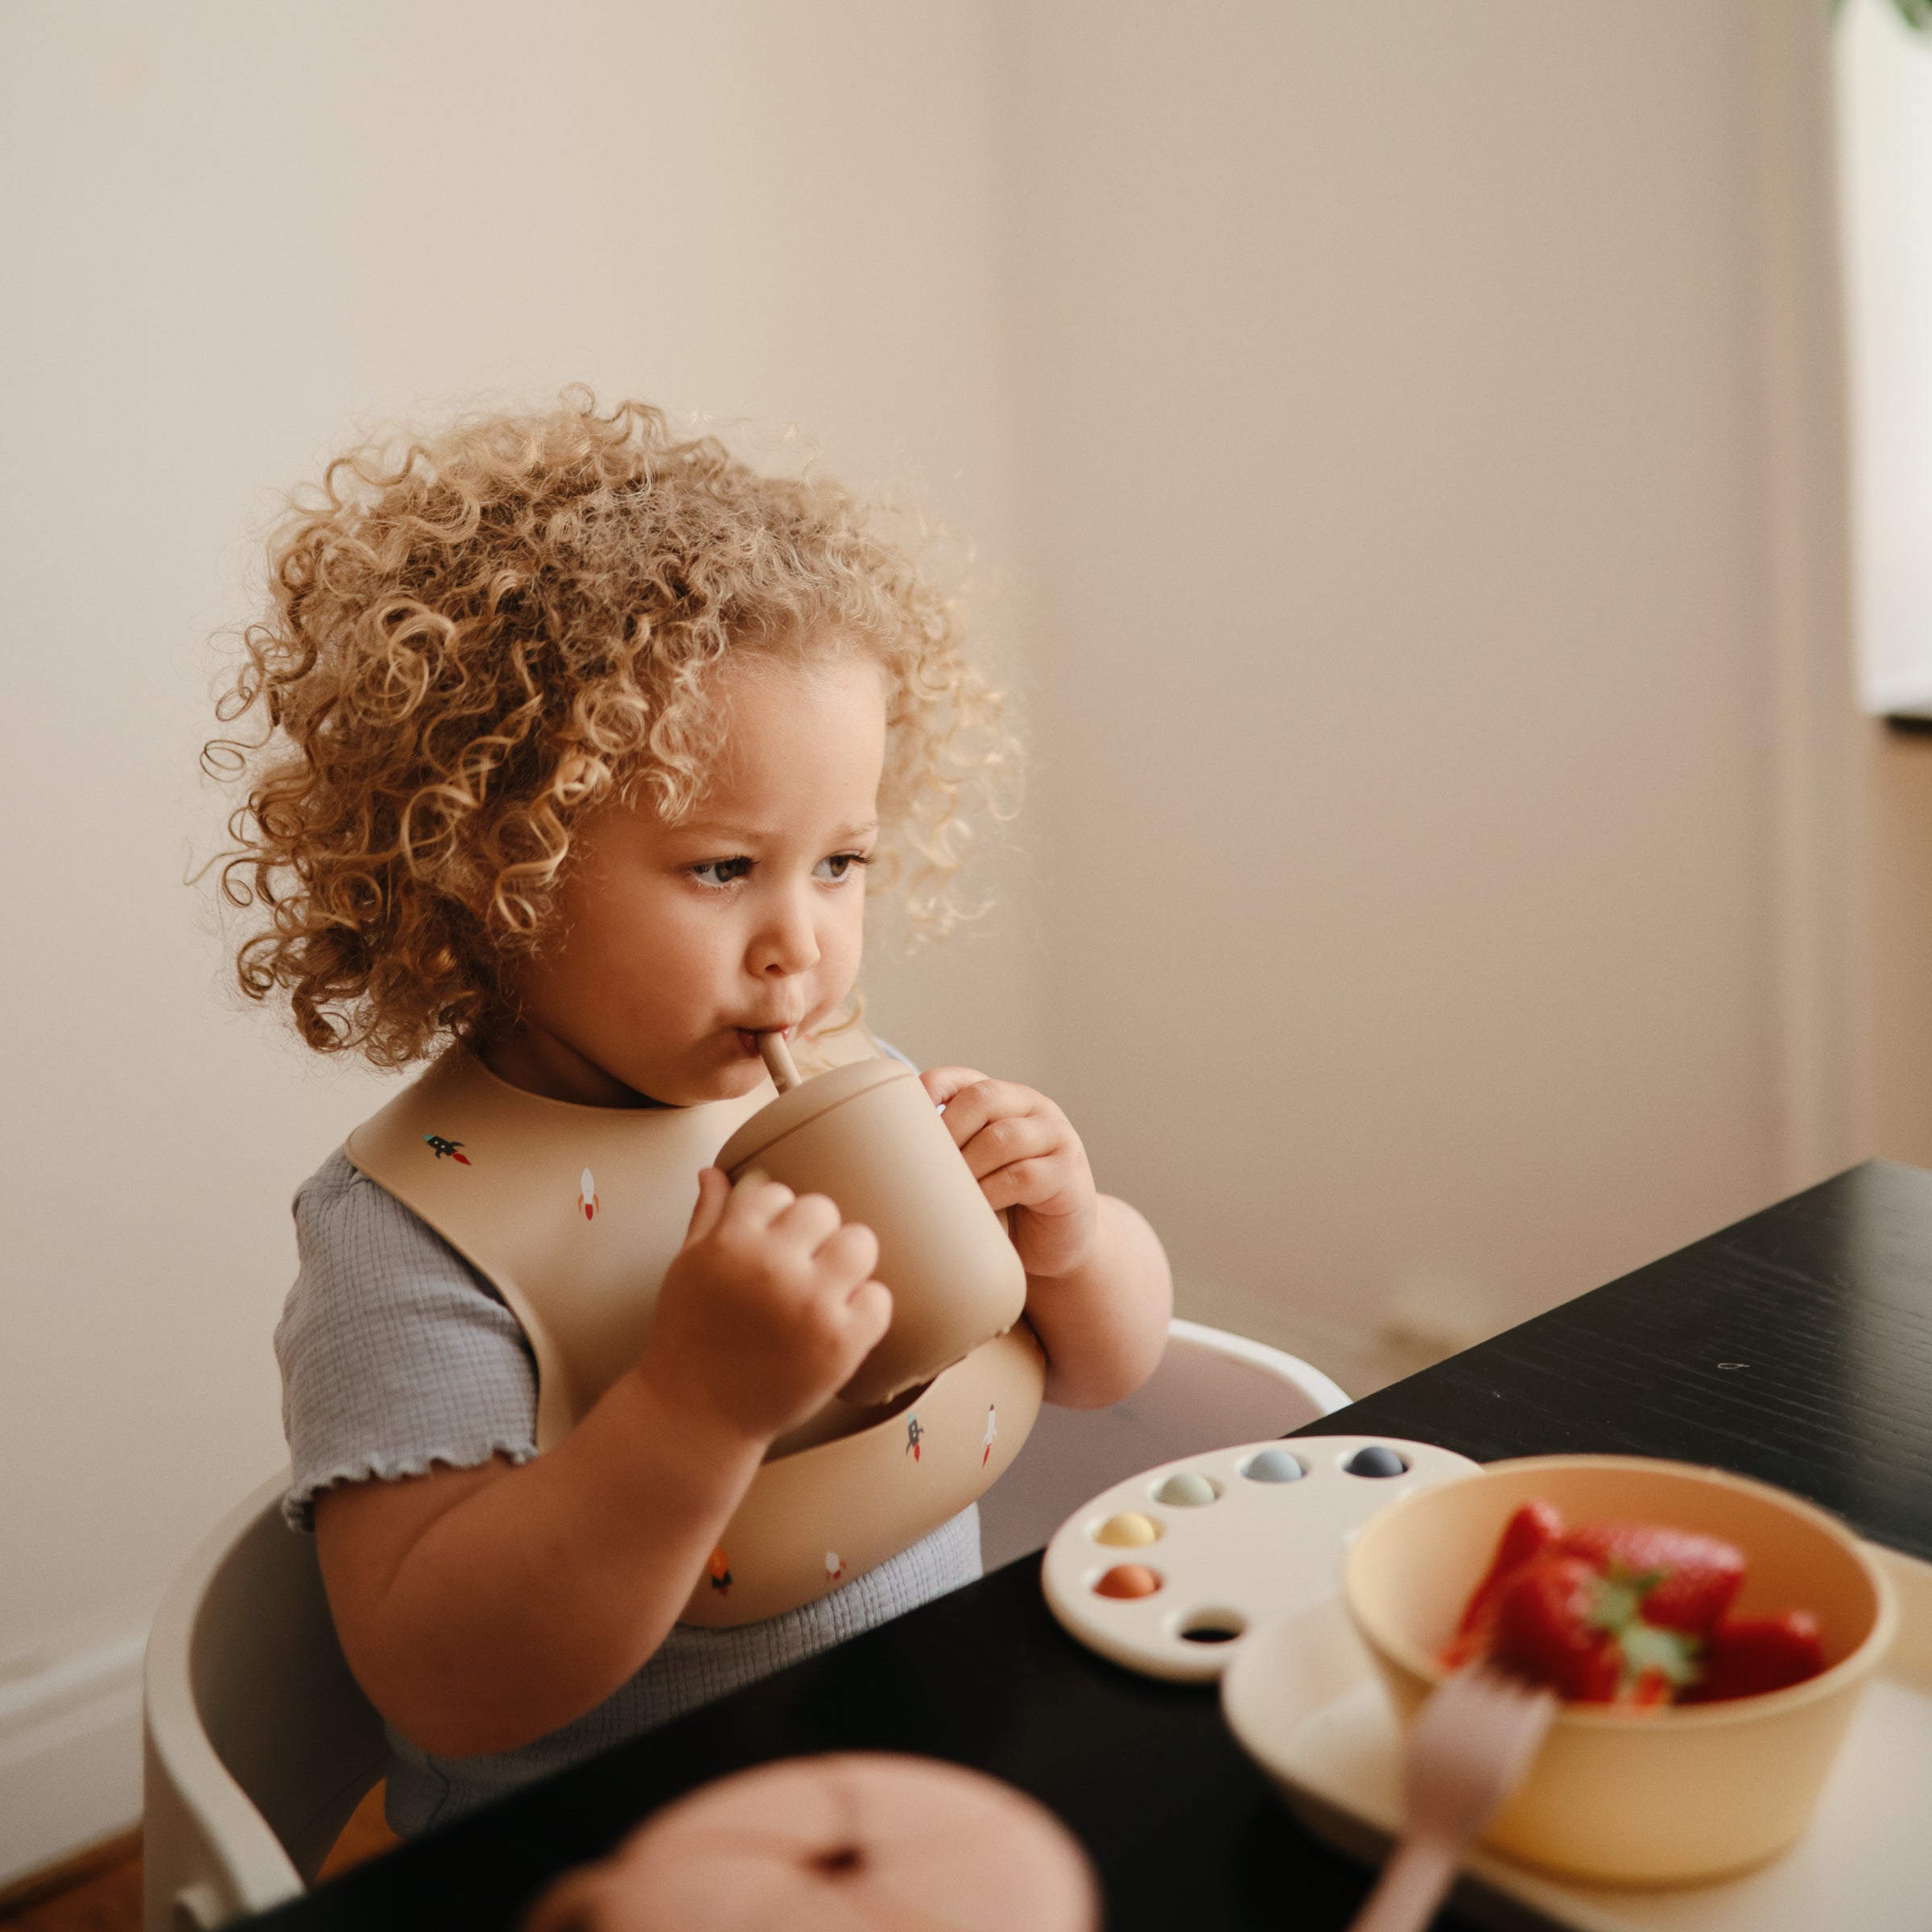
pixel 677 943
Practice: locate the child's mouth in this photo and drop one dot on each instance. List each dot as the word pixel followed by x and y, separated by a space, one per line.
pixel 748 1038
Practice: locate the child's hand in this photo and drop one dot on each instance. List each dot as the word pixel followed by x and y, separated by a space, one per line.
pixel 1024 1154
pixel 768 1308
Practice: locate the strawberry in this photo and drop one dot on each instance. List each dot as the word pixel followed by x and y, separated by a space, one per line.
pixel 1533 1529
pixel 1539 1624
pixel 1750 1654
pixel 1635 1613
pixel 1560 1622
pixel 1689 1579
pixel 1529 1532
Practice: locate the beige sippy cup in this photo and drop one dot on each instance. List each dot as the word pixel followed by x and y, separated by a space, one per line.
pixel 869 1136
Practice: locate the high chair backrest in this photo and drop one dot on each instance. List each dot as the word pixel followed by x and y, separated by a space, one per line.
pixel 1211 1389
pixel 258 1743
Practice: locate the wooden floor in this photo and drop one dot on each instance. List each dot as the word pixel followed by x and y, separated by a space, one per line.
pixel 100 1890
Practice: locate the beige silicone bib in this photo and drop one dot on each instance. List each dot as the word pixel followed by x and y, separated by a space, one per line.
pixel 573 1213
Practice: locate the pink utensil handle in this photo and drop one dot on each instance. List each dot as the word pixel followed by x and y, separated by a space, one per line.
pixel 1418 1876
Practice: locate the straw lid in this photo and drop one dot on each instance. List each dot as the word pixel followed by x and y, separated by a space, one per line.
pixel 807 1101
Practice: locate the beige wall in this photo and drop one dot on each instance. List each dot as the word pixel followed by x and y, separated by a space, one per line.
pixel 1436 493
pixel 1399 445
pixel 230 232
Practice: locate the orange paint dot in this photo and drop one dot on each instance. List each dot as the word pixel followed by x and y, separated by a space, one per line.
pixel 1129 1580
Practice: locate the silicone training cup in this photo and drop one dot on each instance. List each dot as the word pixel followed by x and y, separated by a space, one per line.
pixel 869 1136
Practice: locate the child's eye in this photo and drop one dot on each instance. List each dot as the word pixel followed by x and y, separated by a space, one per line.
pixel 720 871
pixel 839 866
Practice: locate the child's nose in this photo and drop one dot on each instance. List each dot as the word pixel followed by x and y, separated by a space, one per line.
pixel 789 941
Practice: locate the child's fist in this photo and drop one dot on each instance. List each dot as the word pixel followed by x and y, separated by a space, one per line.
pixel 768 1306
pixel 1024 1154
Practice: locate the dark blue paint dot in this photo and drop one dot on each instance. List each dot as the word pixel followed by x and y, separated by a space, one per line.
pixel 1377 1460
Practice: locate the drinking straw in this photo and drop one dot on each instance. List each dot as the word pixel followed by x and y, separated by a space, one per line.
pixel 777 1061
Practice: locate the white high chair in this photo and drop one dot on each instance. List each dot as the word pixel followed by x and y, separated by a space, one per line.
pixel 1212 1389
pixel 258 1742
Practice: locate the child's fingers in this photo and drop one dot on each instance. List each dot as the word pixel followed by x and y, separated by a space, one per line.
pixel 1034 1184
pixel 714 1191
pixel 868 1316
pixel 757 1201
pixel 850 1254
pixel 1015 1138
pixel 808 1223
pixel 943 1083
pixel 980 1101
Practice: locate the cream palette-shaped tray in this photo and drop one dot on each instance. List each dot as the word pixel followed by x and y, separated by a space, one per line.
pixel 1170 1571
pixel 1304 1702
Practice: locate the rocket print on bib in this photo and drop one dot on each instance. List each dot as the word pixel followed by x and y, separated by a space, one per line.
pixel 914 1432
pixel 587 1194
pixel 834 1566
pixel 443 1149
pixel 992 1429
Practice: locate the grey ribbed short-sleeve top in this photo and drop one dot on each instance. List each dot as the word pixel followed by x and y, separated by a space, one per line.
pixel 397 1356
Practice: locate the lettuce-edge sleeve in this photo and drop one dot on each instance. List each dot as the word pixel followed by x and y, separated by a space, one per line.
pixel 397 1356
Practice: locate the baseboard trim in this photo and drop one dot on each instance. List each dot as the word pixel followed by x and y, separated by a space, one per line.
pixel 70 1758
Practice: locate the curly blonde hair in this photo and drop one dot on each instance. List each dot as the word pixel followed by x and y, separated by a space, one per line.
pixel 474 639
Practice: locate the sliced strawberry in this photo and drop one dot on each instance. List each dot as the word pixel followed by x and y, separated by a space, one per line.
pixel 1652 1688
pixel 1543 1625
pixel 1629 1613
pixel 1752 1654
pixel 1530 1531
pixel 1658 1662
pixel 1559 1621
pixel 1688 1580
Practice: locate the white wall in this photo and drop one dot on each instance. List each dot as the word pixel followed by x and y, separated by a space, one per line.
pixel 1884 125
pixel 230 232
pixel 1401 440
pixel 1884 92
pixel 1435 476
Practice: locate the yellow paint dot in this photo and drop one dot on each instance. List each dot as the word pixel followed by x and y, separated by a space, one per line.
pixel 1128 1532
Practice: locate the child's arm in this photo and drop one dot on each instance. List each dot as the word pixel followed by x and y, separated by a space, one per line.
pixel 481 1608
pixel 1098 1288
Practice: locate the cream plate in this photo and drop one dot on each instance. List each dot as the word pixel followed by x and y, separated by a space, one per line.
pixel 1249 1553
pixel 1303 1699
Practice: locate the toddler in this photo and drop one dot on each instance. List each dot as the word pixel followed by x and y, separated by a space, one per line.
pixel 576 745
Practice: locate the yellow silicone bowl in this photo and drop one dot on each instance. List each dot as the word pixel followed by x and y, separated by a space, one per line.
pixel 1666 1796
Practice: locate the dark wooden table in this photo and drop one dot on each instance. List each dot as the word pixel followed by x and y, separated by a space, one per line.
pixel 1796 1347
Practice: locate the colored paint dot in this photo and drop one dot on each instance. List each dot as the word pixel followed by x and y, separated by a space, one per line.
pixel 1128 1532
pixel 1273 1466
pixel 1376 1460
pixel 1186 1490
pixel 1129 1580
